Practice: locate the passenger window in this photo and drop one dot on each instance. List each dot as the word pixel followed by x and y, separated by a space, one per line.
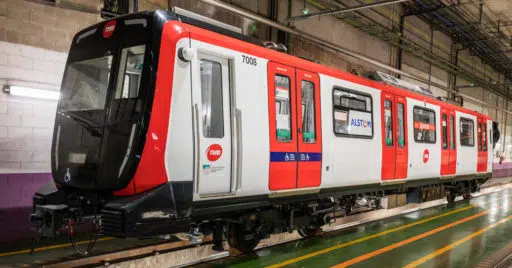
pixel 352 113
pixel 444 130
pixel 479 137
pixel 388 122
pixel 484 136
pixel 467 132
pixel 308 112
pixel 452 132
pixel 401 126
pixel 211 99
pixel 282 98
pixel 130 72
pixel 424 125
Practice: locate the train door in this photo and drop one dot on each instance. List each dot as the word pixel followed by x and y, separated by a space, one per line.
pixel 452 164
pixel 482 145
pixel 394 137
pixel 294 126
pixel 448 152
pixel 212 124
pixel 283 130
pixel 309 131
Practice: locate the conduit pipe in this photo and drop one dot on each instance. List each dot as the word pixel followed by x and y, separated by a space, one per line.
pixel 334 47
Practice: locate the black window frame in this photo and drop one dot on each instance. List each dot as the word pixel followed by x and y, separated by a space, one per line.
pixel 461 119
pixel 453 138
pixel 290 110
pixel 364 94
pixel 484 138
pixel 444 132
pixel 404 124
pixel 314 112
pixel 479 139
pixel 435 123
pixel 391 102
pixel 203 120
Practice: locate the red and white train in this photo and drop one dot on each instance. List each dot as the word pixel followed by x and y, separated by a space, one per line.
pixel 169 123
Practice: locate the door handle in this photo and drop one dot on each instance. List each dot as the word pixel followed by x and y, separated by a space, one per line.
pixel 238 123
pixel 299 130
pixel 197 149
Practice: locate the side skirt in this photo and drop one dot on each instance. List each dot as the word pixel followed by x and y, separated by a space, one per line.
pixel 211 209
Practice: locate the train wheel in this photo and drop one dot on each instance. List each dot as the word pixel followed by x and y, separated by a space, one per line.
pixel 241 239
pixel 450 197
pixel 307 232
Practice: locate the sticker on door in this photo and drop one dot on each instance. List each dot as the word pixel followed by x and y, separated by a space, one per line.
pixel 214 152
pixel 426 156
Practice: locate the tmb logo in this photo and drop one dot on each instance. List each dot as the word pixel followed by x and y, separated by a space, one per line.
pixel 426 156
pixel 214 152
pixel 109 28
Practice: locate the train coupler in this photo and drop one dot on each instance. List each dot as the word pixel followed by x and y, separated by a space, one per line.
pixel 47 219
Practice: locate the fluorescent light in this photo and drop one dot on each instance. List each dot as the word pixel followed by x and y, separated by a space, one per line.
pixel 32 92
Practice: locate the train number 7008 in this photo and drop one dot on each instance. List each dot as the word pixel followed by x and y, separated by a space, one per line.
pixel 249 60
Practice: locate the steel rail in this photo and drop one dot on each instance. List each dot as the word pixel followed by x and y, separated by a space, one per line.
pixel 334 47
pixel 133 253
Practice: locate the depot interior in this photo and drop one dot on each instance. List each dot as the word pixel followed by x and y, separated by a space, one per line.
pixel 460 50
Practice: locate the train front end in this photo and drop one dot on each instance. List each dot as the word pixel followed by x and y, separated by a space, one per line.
pixel 104 163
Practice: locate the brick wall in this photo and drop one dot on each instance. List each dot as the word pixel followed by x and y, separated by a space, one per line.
pixel 43 26
pixel 26 125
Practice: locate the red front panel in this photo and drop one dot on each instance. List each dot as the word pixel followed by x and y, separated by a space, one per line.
pixel 151 169
pixel 282 127
pixel 309 129
pixel 482 145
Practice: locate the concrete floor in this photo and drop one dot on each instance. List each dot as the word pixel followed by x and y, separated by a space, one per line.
pixel 462 236
pixel 367 245
pixel 60 249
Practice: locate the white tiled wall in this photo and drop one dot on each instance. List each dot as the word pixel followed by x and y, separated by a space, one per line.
pixel 26 125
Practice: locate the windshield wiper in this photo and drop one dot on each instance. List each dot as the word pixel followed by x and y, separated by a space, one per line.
pixel 83 122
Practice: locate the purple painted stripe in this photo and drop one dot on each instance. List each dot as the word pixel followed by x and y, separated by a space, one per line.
pixel 16 191
pixel 501 170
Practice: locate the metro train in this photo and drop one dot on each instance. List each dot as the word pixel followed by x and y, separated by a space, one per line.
pixel 170 122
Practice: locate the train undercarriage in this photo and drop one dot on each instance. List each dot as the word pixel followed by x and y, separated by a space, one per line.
pixel 58 212
pixel 244 231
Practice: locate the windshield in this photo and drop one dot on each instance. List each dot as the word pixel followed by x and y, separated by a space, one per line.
pixel 85 84
pixel 130 70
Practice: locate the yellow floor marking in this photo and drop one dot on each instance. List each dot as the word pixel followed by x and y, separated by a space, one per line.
pixel 366 238
pixel 407 241
pixel 455 244
pixel 50 247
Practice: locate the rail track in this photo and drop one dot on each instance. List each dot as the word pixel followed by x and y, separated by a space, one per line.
pixel 183 253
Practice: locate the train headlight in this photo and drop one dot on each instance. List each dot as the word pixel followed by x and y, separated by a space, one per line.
pixel 186 53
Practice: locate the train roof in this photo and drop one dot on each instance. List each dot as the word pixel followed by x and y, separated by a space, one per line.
pixel 229 38
pixel 301 63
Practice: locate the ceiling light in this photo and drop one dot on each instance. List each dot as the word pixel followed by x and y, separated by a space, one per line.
pixel 31 92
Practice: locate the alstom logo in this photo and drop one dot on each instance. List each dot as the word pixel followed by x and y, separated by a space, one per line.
pixel 214 152
pixel 361 123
